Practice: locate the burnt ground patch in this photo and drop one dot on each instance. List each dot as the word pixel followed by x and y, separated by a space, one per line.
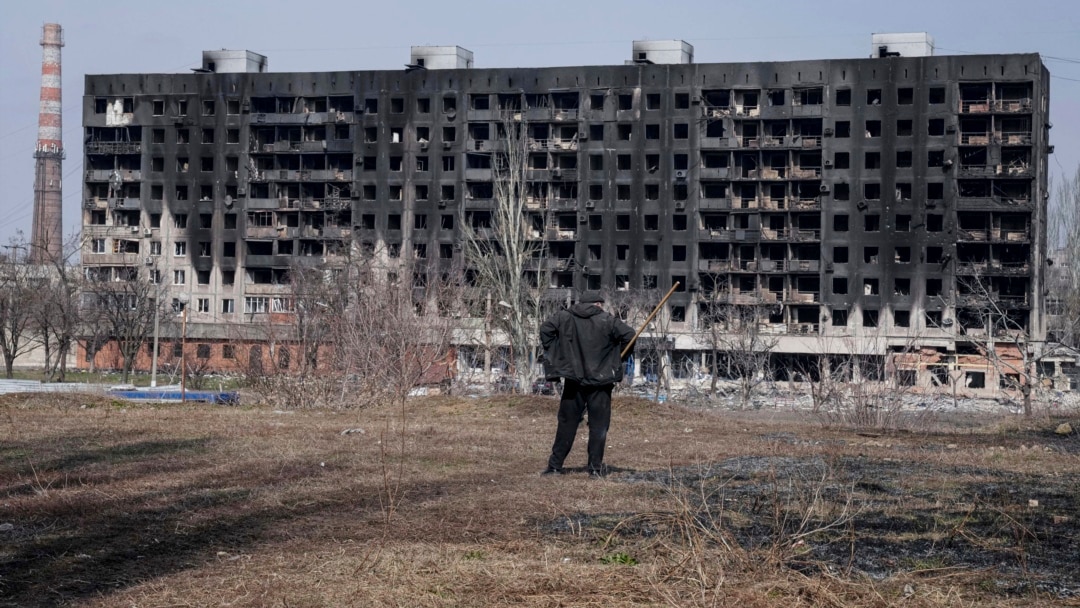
pixel 875 517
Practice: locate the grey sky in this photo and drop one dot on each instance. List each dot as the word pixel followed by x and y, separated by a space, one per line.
pixel 124 36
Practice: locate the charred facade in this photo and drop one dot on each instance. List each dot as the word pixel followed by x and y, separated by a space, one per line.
pixel 850 200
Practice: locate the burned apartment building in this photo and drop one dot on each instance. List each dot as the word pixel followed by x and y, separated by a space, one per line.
pixel 860 205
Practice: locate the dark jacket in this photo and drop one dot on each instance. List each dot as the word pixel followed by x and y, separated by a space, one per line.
pixel 582 344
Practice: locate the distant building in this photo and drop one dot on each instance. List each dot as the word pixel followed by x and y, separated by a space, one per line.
pixel 853 201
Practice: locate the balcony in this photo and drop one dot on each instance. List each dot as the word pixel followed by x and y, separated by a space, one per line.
pixel 802 328
pixel 803 297
pixel 798 109
pixel 536 202
pixel 719 142
pixel 714 173
pixel 261 232
pixel 714 203
pixel 1012 106
pixel 96 203
pixel 478 175
pixel 1013 138
pixel 978 170
pixel 808 141
pixel 714 265
pixel 336 232
pixel 806 173
pixel 716 235
pixel 105 175
pixel 564 115
pixel 114 147
pixel 1004 235
pixel 804 235
pixel 303 118
pixel 564 175
pixel 976 106
pixel 808 203
pixel 975 139
pixel 556 234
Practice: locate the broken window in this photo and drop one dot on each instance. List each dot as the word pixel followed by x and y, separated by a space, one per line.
pixel 872 160
pixel 933 287
pixel 873 97
pixel 208 107
pixel 870 318
pixel 905 96
pixel 872 223
pixel 903 159
pixel 873 128
pixel 626 101
pixel 622 222
pixel 839 286
pixel 903 255
pixel 840 255
pixel 681 130
pixel 840 222
pixel 840 316
pixel 936 127
pixel 624 131
pixel 901 287
pixel 777 97
pixel 936 191
pixel 843 97
pixel 936 95
pixel 843 128
pixel 652 131
pixel 480 102
pixel 810 97
pixel 902 318
pixel 870 255
pixel 904 128
pixel 872 191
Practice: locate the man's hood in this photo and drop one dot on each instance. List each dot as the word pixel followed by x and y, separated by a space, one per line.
pixel 585 310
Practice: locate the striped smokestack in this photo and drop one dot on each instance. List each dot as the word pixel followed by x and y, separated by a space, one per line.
pixel 46 239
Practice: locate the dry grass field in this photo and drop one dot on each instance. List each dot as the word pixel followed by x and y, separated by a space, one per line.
pixel 115 504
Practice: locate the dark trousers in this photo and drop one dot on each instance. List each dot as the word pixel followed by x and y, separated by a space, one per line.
pixel 576 400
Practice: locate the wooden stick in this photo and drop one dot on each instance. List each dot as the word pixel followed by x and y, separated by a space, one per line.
pixel 649 319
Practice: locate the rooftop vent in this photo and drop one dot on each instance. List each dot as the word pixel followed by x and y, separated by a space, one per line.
pixel 440 58
pixel 226 61
pixel 918 44
pixel 662 51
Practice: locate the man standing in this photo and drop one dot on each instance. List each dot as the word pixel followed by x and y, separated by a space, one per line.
pixel 582 345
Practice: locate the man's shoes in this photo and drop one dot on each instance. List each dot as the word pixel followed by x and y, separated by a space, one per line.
pixel 552 471
pixel 598 473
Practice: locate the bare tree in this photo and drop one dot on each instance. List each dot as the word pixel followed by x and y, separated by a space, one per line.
pixel 652 351
pixel 57 315
pixel 505 255
pixel 994 320
pixel 741 345
pixel 1063 278
pixel 122 307
pixel 18 298
pixel 863 381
